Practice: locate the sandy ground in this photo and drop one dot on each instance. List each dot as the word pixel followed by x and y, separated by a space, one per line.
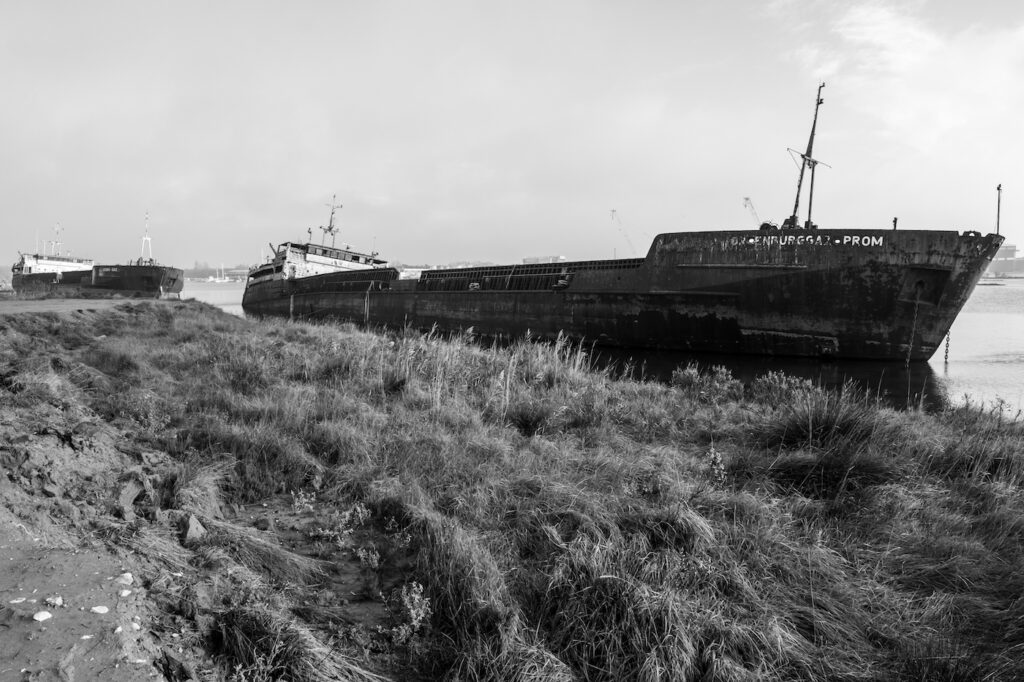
pixel 13 306
pixel 70 609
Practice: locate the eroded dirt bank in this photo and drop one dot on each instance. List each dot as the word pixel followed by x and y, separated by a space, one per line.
pixel 109 569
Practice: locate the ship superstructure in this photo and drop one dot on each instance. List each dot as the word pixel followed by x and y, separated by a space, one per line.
pixel 297 260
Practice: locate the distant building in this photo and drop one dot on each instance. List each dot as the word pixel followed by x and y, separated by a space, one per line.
pixel 410 273
pixel 1006 263
pixel 543 259
pixel 1006 251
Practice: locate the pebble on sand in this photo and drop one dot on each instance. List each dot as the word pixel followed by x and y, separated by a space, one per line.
pixel 42 615
pixel 99 609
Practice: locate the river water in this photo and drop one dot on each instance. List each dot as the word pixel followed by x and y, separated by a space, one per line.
pixel 985 355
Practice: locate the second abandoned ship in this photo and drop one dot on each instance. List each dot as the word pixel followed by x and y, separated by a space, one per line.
pixel 790 291
pixel 55 273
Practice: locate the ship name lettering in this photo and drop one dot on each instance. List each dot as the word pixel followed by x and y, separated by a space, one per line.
pixel 858 240
pixel 810 239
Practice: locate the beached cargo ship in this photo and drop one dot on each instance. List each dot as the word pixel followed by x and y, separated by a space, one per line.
pixel 53 273
pixel 873 294
pixel 792 290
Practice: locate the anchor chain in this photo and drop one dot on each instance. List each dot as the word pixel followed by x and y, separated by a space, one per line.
pixel 913 330
pixel 946 361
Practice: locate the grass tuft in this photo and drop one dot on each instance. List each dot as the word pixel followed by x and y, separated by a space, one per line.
pixel 263 643
pixel 259 553
pixel 843 419
pixel 609 625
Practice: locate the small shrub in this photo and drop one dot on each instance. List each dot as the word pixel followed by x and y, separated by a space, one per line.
pixel 712 387
pixel 778 388
pixel 303 502
pixel 410 612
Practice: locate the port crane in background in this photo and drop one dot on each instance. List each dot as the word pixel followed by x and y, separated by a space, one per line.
pixel 762 225
pixel 748 204
pixel 618 222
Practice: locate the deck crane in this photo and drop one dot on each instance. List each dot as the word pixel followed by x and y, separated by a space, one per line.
pixel 807 161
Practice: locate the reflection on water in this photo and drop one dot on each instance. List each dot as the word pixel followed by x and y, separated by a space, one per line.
pixel 986 358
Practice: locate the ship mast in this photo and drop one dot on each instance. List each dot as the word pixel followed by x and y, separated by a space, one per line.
pixel 999 203
pixel 330 229
pixel 807 161
pixel 146 242
pixel 55 244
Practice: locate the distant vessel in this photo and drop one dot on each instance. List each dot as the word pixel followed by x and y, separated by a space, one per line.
pixel 220 278
pixel 54 273
pixel 791 291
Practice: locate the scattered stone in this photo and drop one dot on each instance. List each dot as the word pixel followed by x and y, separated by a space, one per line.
pixel 264 523
pixel 124 593
pixel 42 615
pixel 134 488
pixel 86 637
pixel 193 531
pixel 136 626
pixel 99 609
pixel 174 667
pixel 54 601
pixel 17 600
pixel 124 579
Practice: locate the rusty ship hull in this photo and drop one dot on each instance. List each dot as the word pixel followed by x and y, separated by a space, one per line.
pixel 133 280
pixel 844 294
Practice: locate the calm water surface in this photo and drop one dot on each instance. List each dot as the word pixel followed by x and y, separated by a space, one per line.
pixel 986 354
pixel 225 295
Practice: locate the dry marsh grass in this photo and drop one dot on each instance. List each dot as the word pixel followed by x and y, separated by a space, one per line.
pixel 563 523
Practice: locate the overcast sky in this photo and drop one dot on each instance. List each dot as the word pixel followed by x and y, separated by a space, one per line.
pixel 466 130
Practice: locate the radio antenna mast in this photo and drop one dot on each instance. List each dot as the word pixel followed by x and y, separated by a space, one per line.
pixel 330 229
